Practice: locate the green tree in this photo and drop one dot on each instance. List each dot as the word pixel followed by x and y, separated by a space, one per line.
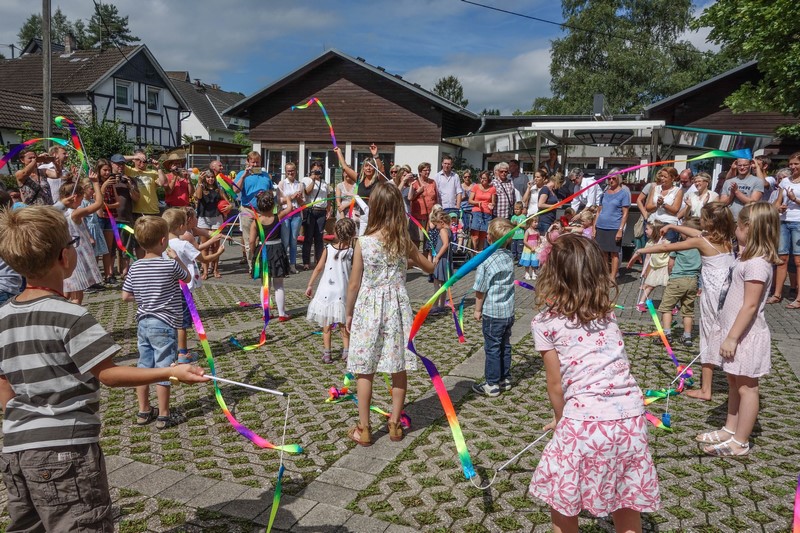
pixel 60 27
pixel 629 50
pixel 102 139
pixel 451 89
pixel 768 32
pixel 241 138
pixel 108 28
pixel 495 112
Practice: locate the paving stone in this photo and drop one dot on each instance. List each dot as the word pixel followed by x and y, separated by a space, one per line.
pixel 130 473
pixel 290 511
pixel 222 494
pixel 189 488
pixel 113 462
pixel 336 495
pixel 249 504
pixel 394 528
pixel 162 480
pixel 323 518
pixel 364 524
pixel 366 464
pixel 346 478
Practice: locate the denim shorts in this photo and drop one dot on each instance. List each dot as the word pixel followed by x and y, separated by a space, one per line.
pixel 186 321
pixel 790 238
pixel 158 344
pixel 105 223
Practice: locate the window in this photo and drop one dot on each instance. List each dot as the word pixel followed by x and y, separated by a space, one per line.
pixel 122 95
pixel 154 99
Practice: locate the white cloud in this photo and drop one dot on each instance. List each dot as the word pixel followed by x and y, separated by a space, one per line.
pixel 492 81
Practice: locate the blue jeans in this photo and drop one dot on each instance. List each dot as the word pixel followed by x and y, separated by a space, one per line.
pixel 290 230
pixel 517 246
pixel 497 346
pixel 790 238
pixel 158 344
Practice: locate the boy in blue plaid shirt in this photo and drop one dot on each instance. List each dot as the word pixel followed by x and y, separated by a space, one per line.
pixel 494 307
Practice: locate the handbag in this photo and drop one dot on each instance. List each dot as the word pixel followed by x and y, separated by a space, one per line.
pixel 638 228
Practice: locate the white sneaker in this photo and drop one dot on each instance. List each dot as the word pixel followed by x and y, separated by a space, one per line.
pixel 533 276
pixel 527 276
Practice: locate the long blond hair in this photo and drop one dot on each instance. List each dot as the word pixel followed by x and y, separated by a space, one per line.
pixel 575 280
pixel 387 216
pixel 763 230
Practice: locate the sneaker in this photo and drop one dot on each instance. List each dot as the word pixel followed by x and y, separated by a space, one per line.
pixel 657 340
pixel 533 276
pixel 641 307
pixel 687 341
pixel 527 276
pixel 95 288
pixel 483 388
pixel 505 385
pixel 292 269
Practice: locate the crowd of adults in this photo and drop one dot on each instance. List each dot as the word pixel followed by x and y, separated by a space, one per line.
pixel 130 186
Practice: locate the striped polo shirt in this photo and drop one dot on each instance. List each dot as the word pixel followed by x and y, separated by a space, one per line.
pixel 47 348
pixel 154 284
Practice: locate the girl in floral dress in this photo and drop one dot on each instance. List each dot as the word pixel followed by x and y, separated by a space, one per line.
pixel 740 335
pixel 598 458
pixel 378 309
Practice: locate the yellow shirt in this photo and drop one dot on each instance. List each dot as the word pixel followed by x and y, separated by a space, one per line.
pixel 147 181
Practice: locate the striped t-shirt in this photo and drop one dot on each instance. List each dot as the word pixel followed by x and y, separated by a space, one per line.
pixel 47 348
pixel 154 284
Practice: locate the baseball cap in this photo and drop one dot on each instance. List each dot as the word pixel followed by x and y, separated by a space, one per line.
pixel 118 158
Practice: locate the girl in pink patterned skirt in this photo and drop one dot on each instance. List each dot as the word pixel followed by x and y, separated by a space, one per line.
pixel 598 458
pixel 740 335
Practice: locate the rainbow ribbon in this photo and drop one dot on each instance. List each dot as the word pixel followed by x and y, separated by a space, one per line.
pixel 524 285
pixel 317 101
pixel 243 430
pixel 115 228
pixel 20 147
pixel 458 318
pixel 473 263
pixel 276 499
pixel 657 422
pixel 660 330
pixel 222 181
pixel 796 521
pixel 76 140
pixel 344 394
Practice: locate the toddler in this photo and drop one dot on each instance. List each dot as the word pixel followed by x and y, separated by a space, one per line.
pixel 655 272
pixel 530 260
pixel 517 246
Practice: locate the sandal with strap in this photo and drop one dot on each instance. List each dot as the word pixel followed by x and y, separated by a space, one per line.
pixel 364 435
pixel 144 418
pixel 326 357
pixel 395 431
pixel 729 448
pixel 713 437
pixel 794 305
pixel 774 299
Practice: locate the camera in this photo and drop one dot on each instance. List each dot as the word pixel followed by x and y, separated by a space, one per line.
pixel 316 173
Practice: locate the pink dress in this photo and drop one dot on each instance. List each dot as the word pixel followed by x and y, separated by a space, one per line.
pixel 752 357
pixel 598 458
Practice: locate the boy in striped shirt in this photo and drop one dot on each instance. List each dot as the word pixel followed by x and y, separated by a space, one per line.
pixel 53 357
pixel 152 282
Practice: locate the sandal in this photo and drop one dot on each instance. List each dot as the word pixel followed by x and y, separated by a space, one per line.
pixel 364 436
pixel 729 448
pixel 395 431
pixel 217 274
pixel 144 418
pixel 326 357
pixel 774 299
pixel 713 437
pixel 188 358
pixel 163 422
pixel 204 276
pixel 794 305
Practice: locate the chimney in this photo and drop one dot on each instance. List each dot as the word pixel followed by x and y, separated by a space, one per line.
pixel 69 43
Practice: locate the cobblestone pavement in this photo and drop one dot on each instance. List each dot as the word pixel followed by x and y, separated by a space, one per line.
pixel 200 475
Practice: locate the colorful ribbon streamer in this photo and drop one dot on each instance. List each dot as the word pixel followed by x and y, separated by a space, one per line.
pixel 344 394
pixel 796 521
pixel 657 422
pixel 524 285
pixel 654 316
pixel 23 145
pixel 76 141
pixel 115 229
pixel 317 101
pixel 222 181
pixel 243 430
pixel 276 499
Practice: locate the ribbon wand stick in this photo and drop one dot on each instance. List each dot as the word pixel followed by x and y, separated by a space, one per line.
pixel 245 385
pixel 525 449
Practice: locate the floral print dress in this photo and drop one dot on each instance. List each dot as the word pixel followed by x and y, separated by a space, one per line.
pixel 382 319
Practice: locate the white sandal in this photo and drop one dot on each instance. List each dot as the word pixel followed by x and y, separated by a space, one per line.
pixel 713 437
pixel 729 448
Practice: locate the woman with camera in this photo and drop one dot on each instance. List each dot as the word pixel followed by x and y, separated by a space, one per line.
pixel 315 215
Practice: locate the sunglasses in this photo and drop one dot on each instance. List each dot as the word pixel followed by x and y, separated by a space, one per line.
pixel 75 242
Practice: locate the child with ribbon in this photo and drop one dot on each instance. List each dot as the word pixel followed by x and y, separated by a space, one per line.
pixel 600 437
pixel 277 259
pixel 86 272
pixel 378 309
pixel 328 306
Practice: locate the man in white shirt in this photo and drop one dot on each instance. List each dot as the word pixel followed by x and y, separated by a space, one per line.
pixel 448 186
pixel 587 198
pixel 686 178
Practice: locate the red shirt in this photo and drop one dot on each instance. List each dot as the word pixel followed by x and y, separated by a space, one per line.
pixel 179 197
pixel 484 197
pixel 422 205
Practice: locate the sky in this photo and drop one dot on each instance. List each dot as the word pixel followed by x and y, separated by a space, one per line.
pixel 502 61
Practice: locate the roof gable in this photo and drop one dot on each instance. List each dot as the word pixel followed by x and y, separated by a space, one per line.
pixel 443 103
pixel 207 102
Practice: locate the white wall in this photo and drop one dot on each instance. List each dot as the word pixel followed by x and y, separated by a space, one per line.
pixel 414 154
pixel 192 127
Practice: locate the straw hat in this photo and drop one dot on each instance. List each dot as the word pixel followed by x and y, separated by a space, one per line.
pixel 173 158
